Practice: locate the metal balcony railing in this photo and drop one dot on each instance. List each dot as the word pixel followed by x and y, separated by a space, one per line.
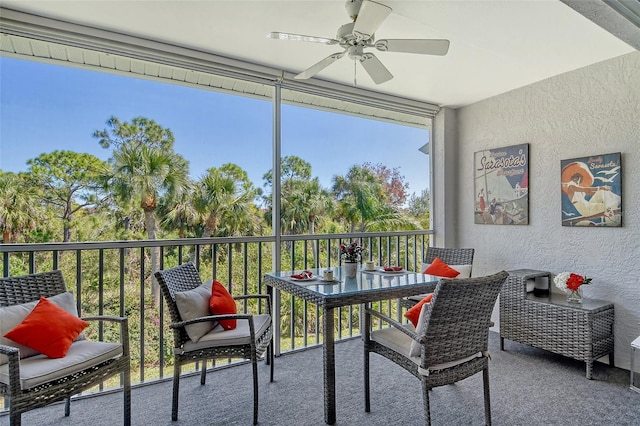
pixel 115 278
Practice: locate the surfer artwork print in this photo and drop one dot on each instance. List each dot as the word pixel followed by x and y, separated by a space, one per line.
pixel 501 186
pixel 592 190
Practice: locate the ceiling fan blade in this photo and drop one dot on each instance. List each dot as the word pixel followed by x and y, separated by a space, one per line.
pixel 300 37
pixel 370 17
pixel 425 47
pixel 372 65
pixel 316 68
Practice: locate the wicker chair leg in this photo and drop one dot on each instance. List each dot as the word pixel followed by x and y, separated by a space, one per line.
pixel 254 363
pixel 487 397
pixel 67 407
pixel 177 370
pixel 15 419
pixel 367 392
pixel 127 398
pixel 203 372
pixel 270 359
pixel 426 403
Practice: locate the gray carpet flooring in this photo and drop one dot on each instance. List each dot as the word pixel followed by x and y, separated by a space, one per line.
pixel 528 387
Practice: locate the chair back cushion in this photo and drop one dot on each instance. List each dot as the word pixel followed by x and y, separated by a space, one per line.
pixel 12 316
pixel 460 259
pixel 464 271
pixel 194 304
pixel 184 277
pixel 48 329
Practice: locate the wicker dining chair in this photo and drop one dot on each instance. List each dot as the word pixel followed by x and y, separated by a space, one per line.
pixel 36 380
pixel 450 256
pixel 450 341
pixel 252 338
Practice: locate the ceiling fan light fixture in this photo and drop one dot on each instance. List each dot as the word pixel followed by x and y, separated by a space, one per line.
pixel 355 52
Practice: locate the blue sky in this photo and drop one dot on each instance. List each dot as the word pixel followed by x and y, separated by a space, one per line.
pixel 46 107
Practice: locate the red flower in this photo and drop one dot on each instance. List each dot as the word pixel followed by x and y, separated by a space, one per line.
pixel 351 252
pixel 575 281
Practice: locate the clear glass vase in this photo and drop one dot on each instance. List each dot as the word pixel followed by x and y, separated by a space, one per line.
pixel 574 296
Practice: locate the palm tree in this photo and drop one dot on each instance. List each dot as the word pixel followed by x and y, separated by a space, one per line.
pixel 304 203
pixel 360 195
pixel 224 198
pixel 145 169
pixel 18 206
pixel 180 215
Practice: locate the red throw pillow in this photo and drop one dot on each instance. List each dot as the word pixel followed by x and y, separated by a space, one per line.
pixel 48 329
pixel 414 312
pixel 441 269
pixel 220 303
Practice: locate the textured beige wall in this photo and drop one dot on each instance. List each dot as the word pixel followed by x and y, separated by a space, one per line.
pixel 592 110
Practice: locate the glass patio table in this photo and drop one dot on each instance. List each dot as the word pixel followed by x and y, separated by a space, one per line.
pixel 366 287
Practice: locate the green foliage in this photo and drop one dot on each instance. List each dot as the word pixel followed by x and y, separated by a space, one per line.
pixel 292 168
pixel 364 199
pixel 68 183
pixel 223 199
pixel 420 208
pixel 19 209
pixel 145 178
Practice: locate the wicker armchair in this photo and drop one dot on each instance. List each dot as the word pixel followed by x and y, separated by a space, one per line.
pixel 451 256
pixel 451 337
pixel 22 391
pixel 248 342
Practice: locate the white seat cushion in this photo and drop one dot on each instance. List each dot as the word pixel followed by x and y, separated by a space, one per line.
pixel 401 343
pixel 82 354
pixel 221 337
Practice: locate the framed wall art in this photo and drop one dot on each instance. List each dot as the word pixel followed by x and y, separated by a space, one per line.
pixel 501 186
pixel 592 190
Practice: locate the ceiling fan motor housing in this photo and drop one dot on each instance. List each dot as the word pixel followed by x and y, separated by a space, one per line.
pixel 347 38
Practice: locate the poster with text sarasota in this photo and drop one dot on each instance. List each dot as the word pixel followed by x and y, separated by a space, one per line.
pixel 591 191
pixel 502 185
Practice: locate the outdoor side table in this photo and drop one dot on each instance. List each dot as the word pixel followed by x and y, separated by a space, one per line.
pixel 635 363
pixel 580 331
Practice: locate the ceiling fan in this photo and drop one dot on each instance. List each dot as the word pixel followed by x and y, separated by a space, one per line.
pixel 354 37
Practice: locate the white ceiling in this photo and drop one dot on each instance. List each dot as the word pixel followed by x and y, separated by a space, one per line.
pixel 496 46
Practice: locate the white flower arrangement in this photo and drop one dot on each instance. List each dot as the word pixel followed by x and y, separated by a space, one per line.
pixel 561 281
pixel 569 281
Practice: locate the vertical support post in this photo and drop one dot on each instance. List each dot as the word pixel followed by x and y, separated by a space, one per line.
pixel 275 202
